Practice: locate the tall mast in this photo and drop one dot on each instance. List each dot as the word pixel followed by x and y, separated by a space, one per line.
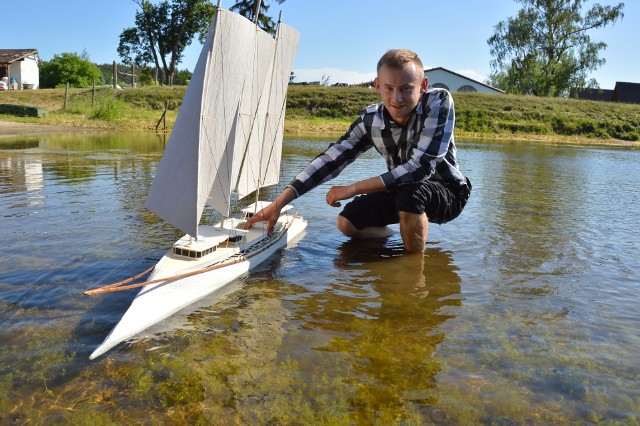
pixel 271 83
pixel 256 13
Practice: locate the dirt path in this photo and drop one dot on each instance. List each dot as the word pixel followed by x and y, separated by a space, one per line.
pixel 10 128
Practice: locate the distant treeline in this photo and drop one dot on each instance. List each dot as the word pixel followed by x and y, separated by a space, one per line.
pixel 78 71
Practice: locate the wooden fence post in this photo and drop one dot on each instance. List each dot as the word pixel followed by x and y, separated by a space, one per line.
pixel 163 119
pixel 66 96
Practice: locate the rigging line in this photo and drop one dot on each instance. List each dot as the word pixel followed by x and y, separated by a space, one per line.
pixel 275 66
pixel 226 132
pixel 136 242
pixel 240 124
pixel 215 36
pixel 277 122
pixel 242 256
pixel 246 142
pixel 245 151
pixel 229 157
pixel 273 142
pixel 108 274
pixel 254 115
pixel 223 190
pixel 275 63
pixel 258 89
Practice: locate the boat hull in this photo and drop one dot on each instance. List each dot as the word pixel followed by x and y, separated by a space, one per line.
pixel 156 302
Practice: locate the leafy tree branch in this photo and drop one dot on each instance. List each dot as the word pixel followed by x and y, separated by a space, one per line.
pixel 545 50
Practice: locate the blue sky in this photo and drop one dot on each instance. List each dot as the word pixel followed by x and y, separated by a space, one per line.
pixel 340 39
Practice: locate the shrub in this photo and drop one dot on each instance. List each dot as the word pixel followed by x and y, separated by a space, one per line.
pixel 107 109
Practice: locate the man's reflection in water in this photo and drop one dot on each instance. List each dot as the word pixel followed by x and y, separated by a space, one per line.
pixel 382 312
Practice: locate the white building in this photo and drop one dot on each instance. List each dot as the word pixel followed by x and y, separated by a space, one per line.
pixel 19 68
pixel 454 82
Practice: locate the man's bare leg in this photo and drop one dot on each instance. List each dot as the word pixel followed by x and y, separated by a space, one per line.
pixel 346 227
pixel 413 230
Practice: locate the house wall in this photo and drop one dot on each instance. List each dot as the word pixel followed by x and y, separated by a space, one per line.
pixel 454 82
pixel 26 72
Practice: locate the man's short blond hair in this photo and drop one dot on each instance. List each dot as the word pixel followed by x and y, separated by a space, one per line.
pixel 399 58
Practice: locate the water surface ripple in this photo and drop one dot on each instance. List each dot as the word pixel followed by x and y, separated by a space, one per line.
pixel 524 310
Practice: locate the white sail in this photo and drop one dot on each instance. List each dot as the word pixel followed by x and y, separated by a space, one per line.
pixel 287 44
pixel 173 195
pixel 253 111
pixel 236 75
pixel 260 165
pixel 217 114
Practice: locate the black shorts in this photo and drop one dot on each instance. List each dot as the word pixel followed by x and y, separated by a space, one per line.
pixel 441 202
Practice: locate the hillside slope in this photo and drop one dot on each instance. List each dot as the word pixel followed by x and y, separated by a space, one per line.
pixel 331 110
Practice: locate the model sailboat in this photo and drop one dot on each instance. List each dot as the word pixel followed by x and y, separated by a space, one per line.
pixel 227 139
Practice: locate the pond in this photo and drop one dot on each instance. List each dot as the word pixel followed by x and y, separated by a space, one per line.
pixel 524 310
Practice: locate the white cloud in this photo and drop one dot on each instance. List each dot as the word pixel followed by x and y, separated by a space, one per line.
pixel 334 75
pixel 472 74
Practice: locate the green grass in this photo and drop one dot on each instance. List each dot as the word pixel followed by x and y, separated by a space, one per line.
pixel 487 115
pixel 509 114
pixel 320 109
pixel 106 108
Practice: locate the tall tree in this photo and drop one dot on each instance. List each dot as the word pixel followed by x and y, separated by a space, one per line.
pixel 247 8
pixel 163 31
pixel 545 50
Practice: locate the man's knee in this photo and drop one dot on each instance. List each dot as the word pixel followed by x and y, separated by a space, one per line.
pixel 345 226
pixel 413 229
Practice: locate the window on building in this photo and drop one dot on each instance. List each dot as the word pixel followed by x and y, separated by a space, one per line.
pixel 440 86
pixel 467 88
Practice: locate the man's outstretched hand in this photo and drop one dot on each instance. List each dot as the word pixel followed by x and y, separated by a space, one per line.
pixel 271 213
pixel 367 186
pixel 338 193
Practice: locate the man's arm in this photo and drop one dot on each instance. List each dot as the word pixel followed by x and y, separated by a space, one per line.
pixel 271 213
pixel 324 167
pixel 334 159
pixel 367 186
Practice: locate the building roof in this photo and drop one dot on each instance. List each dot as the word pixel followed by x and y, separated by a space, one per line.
pixel 9 56
pixel 370 83
pixel 464 77
pixel 626 92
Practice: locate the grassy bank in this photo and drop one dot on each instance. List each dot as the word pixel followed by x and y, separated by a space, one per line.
pixel 329 110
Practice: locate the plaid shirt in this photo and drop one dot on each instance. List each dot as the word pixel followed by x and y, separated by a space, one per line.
pixel 421 149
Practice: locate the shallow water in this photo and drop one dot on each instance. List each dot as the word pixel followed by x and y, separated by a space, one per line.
pixel 522 311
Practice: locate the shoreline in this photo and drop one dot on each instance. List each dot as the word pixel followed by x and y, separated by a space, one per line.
pixel 14 128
